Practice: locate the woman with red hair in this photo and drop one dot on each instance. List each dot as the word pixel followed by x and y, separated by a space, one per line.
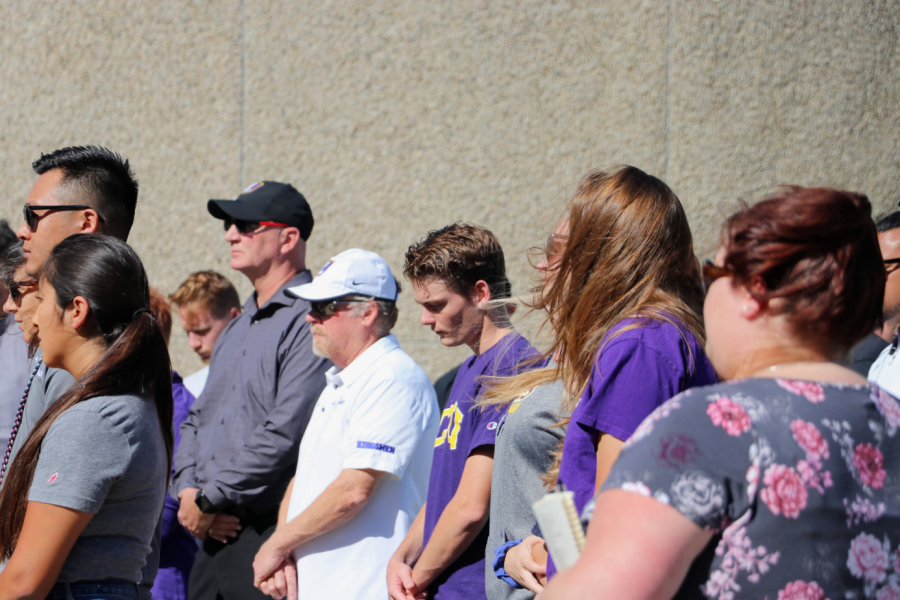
pixel 783 481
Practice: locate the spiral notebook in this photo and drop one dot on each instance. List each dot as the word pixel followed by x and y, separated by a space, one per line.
pixel 560 527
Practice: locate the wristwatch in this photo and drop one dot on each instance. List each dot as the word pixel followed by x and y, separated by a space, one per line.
pixel 203 503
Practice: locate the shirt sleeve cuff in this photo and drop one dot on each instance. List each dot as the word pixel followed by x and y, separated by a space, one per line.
pixel 216 497
pixel 385 461
pixel 182 482
pixel 500 558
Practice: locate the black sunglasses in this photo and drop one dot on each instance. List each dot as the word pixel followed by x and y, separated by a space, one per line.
pixel 248 227
pixel 15 288
pixel 711 272
pixel 892 261
pixel 32 218
pixel 326 308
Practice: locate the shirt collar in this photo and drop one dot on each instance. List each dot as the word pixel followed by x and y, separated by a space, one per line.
pixel 337 377
pixel 280 297
pixel 7 322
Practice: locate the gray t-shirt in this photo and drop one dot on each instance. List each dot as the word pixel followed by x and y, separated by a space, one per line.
pixel 525 437
pixel 106 456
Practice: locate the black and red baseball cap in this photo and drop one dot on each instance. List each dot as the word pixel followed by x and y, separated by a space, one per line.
pixel 267 201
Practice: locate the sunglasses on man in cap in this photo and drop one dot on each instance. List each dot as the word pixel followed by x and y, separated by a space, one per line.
pixel 249 227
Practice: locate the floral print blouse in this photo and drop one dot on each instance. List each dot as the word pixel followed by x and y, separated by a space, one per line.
pixel 799 480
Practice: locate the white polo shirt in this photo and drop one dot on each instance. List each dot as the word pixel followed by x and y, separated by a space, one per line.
pixel 885 371
pixel 380 412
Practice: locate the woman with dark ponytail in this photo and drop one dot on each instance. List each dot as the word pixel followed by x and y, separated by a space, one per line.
pixel 83 496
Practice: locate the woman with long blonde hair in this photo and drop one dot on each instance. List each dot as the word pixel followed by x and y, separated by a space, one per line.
pixel 622 293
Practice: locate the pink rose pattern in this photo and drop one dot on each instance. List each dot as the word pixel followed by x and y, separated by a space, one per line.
pixel 867 558
pixel 729 415
pixel 868 461
pixel 677 451
pixel 816 449
pixel 785 492
pixel 863 510
pixel 782 473
pixel 813 392
pixel 809 439
pixel 889 407
pixel 864 461
pixel 738 555
pixel 888 592
pixel 801 590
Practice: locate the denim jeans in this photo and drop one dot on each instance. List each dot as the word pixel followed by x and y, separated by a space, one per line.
pixel 110 589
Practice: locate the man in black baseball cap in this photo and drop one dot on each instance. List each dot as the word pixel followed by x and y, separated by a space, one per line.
pixel 266 202
pixel 240 442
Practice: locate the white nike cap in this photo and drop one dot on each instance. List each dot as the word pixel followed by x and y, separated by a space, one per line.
pixel 353 271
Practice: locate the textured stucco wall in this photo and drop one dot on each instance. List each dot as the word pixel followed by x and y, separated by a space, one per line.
pixel 394 118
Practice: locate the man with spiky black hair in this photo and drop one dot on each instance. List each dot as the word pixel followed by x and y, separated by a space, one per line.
pixel 80 189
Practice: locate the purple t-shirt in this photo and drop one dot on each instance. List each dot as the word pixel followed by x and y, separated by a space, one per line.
pixel 633 374
pixel 177 547
pixel 461 431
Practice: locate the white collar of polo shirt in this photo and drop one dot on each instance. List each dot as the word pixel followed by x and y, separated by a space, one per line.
pixel 337 377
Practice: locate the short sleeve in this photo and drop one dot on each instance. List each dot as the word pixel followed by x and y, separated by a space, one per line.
pixel 484 424
pixel 385 426
pixel 629 380
pixel 694 453
pixel 81 457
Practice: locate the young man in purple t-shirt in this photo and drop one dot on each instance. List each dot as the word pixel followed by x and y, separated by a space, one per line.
pixel 457 274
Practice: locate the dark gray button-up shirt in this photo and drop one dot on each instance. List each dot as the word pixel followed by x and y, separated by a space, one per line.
pixel 240 441
pixel 14 372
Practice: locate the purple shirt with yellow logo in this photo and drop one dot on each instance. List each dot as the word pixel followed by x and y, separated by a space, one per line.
pixel 462 430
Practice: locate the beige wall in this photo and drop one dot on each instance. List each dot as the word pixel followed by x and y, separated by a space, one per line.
pixel 394 118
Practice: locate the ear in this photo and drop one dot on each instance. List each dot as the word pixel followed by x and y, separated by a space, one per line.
pixel 368 318
pixel 90 221
pixel 234 312
pixel 481 294
pixel 289 238
pixel 751 306
pixel 76 314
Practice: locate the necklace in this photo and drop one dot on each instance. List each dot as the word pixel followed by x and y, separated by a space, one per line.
pixel 774 368
pixel 15 429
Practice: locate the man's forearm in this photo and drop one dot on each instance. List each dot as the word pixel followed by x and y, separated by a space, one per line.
pixel 459 525
pixel 342 500
pixel 410 548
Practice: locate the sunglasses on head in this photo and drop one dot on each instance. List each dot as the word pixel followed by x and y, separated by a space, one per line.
pixel 326 308
pixel 17 289
pixel 711 272
pixel 32 218
pixel 248 227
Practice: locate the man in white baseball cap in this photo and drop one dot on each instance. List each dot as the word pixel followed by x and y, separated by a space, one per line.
pixel 365 459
